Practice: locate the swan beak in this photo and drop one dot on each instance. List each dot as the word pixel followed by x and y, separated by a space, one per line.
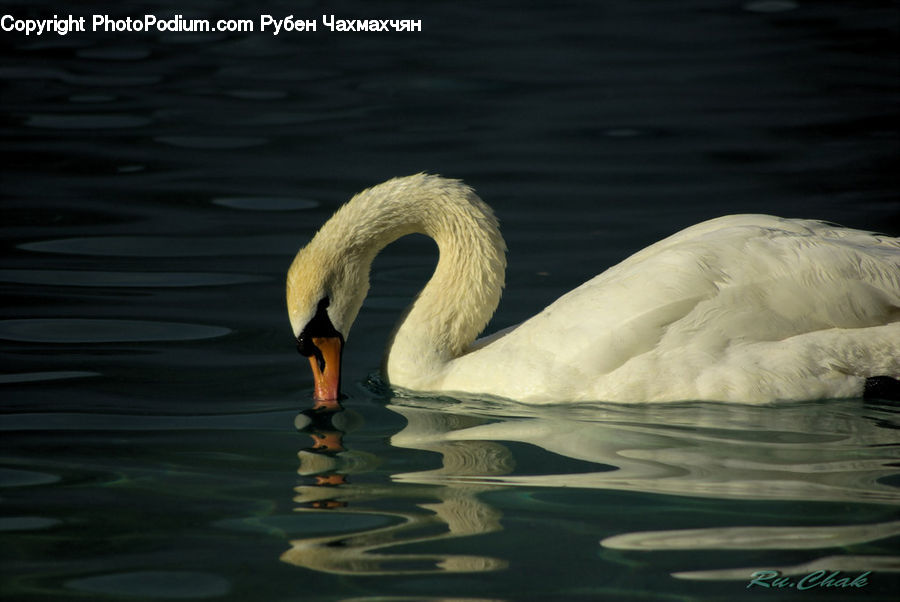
pixel 326 368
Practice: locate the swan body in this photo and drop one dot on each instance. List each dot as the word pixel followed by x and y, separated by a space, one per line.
pixel 743 308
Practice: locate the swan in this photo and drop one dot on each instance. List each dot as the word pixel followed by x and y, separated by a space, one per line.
pixel 741 308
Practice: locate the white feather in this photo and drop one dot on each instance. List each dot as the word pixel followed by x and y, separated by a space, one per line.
pixel 747 308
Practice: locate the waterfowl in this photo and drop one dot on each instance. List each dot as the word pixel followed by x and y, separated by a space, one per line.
pixel 741 308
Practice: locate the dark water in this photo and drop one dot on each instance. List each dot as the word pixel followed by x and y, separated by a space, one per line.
pixel 157 442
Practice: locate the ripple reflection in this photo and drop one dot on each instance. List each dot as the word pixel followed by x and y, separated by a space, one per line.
pixel 844 452
pixel 455 512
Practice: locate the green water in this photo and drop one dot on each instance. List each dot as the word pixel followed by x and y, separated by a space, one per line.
pixel 157 439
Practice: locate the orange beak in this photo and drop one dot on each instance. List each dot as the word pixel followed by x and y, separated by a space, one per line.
pixel 326 368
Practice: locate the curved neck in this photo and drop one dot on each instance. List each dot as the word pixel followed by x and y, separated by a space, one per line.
pixel 462 294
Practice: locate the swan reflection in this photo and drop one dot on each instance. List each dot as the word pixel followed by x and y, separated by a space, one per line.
pixel 454 511
pixel 707 450
pixel 843 452
pixel 769 538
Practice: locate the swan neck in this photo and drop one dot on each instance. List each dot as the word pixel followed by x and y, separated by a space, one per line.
pixel 462 294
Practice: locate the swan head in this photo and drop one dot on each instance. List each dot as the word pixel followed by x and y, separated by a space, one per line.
pixel 329 278
pixel 325 290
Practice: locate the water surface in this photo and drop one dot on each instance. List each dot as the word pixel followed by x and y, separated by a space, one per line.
pixel 158 442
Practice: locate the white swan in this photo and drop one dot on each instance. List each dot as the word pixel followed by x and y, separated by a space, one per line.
pixel 745 308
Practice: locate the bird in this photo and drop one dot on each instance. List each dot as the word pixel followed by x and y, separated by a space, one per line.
pixel 741 308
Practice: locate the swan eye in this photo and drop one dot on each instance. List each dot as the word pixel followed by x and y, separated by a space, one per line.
pixel 319 326
pixel 305 346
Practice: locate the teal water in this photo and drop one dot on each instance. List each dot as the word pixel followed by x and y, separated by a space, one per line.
pixel 158 441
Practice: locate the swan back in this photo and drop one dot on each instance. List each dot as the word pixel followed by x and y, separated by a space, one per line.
pixel 747 308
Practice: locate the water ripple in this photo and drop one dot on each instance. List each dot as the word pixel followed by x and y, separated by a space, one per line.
pixel 86 122
pixel 125 279
pixel 770 6
pixel 113 81
pixel 212 142
pixel 78 330
pixel 266 203
pixel 118 53
pixel 168 585
pixel 12 477
pixel 32 377
pixel 27 523
pixel 168 246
